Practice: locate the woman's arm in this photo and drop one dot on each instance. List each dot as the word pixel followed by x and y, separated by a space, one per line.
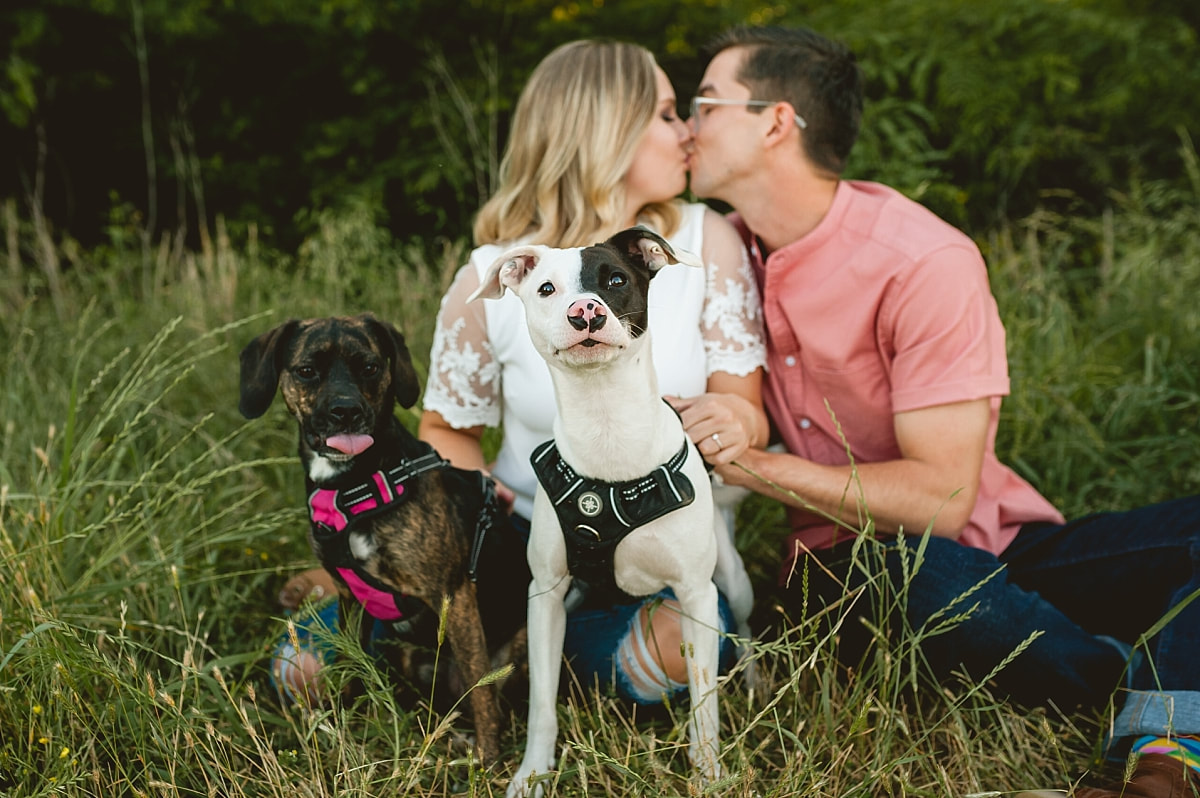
pixel 461 446
pixel 728 418
pixel 462 393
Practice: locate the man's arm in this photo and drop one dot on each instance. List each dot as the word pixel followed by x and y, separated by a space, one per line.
pixel 936 478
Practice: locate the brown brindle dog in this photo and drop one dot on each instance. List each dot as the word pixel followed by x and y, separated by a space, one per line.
pixel 398 527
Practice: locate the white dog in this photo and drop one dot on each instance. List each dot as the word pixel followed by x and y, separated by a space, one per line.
pixel 653 516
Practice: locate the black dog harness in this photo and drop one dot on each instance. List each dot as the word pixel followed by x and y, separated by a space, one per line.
pixel 595 515
pixel 336 513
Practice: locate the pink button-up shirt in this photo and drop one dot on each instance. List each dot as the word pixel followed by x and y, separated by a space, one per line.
pixel 882 309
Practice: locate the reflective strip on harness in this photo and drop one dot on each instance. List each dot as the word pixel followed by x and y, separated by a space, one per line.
pixel 324 509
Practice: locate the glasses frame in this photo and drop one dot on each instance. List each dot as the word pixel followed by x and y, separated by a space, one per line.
pixel 694 107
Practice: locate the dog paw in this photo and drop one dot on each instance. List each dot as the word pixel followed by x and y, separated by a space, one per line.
pixel 525 784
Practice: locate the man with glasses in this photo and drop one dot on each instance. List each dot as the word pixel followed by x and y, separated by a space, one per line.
pixel 884 339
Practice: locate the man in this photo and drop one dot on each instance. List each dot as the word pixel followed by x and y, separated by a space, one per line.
pixel 884 339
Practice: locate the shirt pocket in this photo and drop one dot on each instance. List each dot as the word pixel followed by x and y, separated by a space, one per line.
pixel 858 394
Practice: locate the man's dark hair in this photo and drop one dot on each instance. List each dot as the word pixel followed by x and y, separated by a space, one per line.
pixel 818 76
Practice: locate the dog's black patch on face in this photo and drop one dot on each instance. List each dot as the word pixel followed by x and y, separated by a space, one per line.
pixel 620 280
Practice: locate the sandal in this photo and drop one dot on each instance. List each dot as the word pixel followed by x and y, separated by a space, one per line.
pixel 311 585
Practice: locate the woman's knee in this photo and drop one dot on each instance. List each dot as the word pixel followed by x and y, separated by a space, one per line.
pixel 296 673
pixel 650 655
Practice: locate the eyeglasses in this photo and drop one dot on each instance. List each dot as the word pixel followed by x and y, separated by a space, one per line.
pixel 699 101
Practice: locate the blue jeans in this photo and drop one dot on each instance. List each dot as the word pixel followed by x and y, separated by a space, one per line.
pixel 1091 587
pixel 593 637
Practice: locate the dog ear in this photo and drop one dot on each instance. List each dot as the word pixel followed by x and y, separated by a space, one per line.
pixel 404 377
pixel 650 249
pixel 507 271
pixel 261 364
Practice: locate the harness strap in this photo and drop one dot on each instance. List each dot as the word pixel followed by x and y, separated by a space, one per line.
pixel 336 509
pixel 483 524
pixel 596 515
pixel 377 599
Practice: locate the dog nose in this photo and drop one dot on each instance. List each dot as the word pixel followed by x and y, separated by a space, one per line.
pixel 345 412
pixel 586 314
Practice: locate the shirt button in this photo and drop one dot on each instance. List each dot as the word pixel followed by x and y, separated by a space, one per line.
pixel 805 423
pixel 790 360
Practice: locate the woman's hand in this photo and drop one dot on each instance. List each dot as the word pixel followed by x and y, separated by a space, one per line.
pixel 722 425
pixel 504 494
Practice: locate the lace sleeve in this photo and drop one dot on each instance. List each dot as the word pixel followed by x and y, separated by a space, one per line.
pixel 464 376
pixel 732 320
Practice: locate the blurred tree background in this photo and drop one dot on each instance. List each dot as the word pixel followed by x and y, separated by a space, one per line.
pixel 159 115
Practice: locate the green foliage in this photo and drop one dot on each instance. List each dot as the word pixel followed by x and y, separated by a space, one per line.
pixel 986 111
pixel 1101 345
pixel 145 527
pixel 261 110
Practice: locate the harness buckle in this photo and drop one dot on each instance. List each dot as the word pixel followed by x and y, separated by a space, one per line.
pixel 594 532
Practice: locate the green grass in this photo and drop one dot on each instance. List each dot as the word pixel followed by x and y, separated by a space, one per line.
pixel 145 529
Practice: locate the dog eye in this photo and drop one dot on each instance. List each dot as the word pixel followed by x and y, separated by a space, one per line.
pixel 617 280
pixel 370 370
pixel 545 289
pixel 305 372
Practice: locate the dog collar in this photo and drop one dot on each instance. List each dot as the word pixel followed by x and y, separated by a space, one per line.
pixel 596 515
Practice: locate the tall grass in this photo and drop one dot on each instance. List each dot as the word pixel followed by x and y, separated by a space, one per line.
pixel 145 528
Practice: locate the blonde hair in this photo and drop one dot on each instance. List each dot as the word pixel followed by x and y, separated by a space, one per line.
pixel 576 128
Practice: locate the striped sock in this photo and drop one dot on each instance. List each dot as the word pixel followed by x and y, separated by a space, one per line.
pixel 1184 747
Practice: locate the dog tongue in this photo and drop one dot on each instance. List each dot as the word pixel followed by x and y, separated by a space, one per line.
pixel 350 444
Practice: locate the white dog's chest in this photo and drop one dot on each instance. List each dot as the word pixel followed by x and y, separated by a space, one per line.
pixel 667 552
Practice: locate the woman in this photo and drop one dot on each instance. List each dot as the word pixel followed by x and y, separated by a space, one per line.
pixel 595 147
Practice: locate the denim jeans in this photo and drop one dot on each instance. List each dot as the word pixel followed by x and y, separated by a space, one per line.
pixel 594 636
pixel 1090 587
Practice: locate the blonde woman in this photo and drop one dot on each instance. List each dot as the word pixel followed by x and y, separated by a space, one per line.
pixel 596 147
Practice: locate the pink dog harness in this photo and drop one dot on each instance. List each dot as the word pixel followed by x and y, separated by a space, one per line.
pixel 333 512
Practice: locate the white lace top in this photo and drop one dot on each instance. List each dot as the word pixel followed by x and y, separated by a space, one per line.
pixel 484 371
